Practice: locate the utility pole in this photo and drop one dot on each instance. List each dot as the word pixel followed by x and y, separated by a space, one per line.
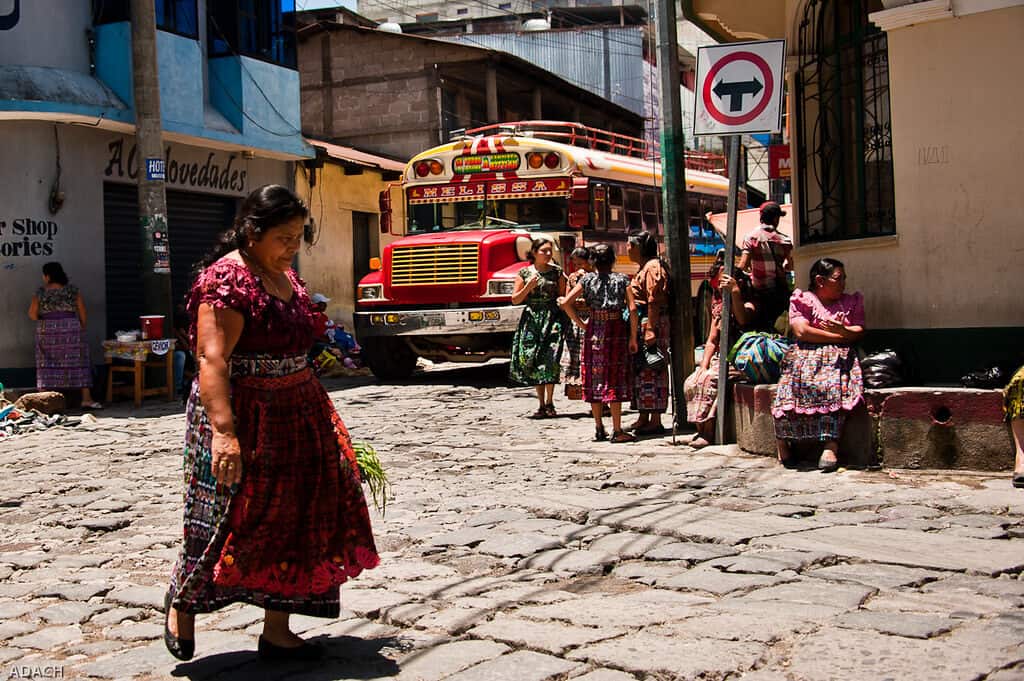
pixel 674 214
pixel 156 257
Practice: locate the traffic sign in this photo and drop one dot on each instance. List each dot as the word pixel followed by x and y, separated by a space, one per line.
pixel 739 88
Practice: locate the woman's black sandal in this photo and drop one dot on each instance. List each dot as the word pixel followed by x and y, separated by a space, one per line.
pixel 1018 479
pixel 181 648
pixel 549 410
pixel 600 435
pixel 827 464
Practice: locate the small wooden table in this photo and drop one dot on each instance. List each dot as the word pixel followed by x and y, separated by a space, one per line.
pixel 142 355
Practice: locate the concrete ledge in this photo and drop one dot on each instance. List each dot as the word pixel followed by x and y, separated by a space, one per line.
pixel 945 428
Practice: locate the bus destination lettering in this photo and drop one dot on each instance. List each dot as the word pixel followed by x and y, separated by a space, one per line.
pixel 485 163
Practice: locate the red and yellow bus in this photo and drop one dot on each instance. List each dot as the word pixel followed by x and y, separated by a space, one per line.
pixel 472 208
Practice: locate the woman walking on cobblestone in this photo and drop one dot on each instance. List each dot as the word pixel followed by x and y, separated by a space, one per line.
pixel 608 341
pixel 274 511
pixel 62 351
pixel 537 343
pixel 580 259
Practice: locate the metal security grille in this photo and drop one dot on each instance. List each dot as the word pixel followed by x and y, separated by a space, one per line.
pixel 433 265
pixel 844 130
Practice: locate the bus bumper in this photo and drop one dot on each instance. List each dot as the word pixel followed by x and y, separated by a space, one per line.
pixel 440 322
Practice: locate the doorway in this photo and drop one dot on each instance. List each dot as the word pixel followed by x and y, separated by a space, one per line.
pixel 363 232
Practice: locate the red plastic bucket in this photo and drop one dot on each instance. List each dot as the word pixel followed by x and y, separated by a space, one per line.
pixel 152 326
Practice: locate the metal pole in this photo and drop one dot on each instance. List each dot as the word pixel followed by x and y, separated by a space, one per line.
pixel 674 215
pixel 156 264
pixel 724 342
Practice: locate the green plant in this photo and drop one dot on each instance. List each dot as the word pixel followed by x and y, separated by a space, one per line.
pixel 371 470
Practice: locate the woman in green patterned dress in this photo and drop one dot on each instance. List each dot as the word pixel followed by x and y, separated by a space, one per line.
pixel 537 343
pixel 1014 408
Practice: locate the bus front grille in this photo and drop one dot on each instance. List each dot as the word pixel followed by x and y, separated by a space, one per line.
pixel 434 265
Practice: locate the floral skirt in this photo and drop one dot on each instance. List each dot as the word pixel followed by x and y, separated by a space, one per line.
pixel 62 353
pixel 537 346
pixel 571 357
pixel 701 391
pixel 1013 403
pixel 818 387
pixel 605 365
pixel 297 526
pixel 650 389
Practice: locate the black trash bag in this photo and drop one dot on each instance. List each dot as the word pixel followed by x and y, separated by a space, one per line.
pixel 882 369
pixel 986 379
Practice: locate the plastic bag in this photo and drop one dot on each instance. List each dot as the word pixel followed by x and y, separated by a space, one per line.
pixel 992 377
pixel 882 369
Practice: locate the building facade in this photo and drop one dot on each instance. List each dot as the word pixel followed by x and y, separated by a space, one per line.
pixel 904 155
pixel 396 94
pixel 229 96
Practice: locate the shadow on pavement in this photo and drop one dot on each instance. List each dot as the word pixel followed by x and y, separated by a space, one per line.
pixel 346 657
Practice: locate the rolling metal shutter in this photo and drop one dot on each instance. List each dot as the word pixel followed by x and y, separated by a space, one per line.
pixel 195 222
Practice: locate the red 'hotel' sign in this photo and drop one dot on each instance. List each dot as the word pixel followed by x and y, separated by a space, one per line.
pixel 778 162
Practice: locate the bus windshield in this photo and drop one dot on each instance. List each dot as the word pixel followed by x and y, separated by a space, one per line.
pixel 526 213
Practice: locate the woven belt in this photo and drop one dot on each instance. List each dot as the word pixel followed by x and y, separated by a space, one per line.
pixel 605 315
pixel 266 366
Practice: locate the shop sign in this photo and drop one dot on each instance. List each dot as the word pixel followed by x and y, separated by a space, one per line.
pixel 779 166
pixel 27 237
pixel 217 171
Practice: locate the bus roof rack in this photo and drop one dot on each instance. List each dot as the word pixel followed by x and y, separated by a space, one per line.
pixel 579 135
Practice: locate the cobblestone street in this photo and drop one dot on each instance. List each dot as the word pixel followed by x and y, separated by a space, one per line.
pixel 519 550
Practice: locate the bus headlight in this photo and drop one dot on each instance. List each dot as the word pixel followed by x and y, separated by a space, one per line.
pixel 371 292
pixel 500 287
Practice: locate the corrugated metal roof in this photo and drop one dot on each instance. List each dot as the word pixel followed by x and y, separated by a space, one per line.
pixel 606 61
pixel 362 158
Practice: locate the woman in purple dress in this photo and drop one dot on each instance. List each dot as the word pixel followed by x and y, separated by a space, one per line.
pixel 62 351
pixel 274 510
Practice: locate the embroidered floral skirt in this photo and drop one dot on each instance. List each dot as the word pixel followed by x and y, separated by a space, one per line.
pixel 62 353
pixel 571 357
pixel 297 526
pixel 701 391
pixel 650 388
pixel 1013 404
pixel 819 386
pixel 537 346
pixel 605 362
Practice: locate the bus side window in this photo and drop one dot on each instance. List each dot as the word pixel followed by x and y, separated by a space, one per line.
pixel 634 211
pixel 650 212
pixel 616 210
pixel 599 208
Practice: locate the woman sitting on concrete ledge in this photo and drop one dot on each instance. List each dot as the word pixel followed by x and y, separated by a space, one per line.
pixel 821 377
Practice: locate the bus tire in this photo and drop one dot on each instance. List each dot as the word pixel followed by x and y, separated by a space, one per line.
pixel 389 358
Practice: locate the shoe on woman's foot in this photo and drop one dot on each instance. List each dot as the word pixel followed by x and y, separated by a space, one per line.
pixel 302 652
pixel 92 405
pixel 181 648
pixel 1018 479
pixel 600 435
pixel 622 436
pixel 549 410
pixel 828 461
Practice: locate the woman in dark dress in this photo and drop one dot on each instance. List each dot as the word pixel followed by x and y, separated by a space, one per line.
pixel 274 510
pixel 537 343
pixel 609 342
pixel 580 259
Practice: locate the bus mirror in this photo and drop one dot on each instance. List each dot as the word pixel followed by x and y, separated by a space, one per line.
pixel 384 202
pixel 579 204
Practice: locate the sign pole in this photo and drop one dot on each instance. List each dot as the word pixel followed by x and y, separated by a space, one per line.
pixel 155 274
pixel 674 217
pixel 724 341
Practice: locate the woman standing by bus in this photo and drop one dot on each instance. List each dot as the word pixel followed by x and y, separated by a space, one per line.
pixel 581 262
pixel 651 289
pixel 537 343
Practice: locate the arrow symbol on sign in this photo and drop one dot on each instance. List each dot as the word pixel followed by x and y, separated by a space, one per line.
pixel 735 91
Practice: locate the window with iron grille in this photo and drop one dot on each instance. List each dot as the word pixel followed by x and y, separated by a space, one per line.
pixel 844 129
